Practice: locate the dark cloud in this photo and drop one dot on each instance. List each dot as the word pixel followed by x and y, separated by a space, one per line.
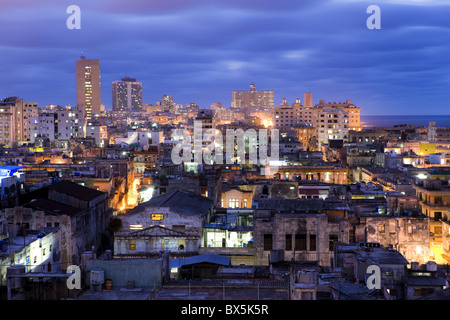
pixel 202 50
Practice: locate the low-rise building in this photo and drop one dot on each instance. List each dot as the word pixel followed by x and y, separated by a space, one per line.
pixel 410 236
pixel 80 212
pixel 300 228
pixel 356 259
pixel 174 221
pixel 36 250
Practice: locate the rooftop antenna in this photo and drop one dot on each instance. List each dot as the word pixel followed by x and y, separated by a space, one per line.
pixel 82 55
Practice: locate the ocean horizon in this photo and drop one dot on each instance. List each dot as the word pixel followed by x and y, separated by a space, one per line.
pixel 416 120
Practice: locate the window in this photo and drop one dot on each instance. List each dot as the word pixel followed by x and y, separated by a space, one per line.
pixel 381 228
pixel 438 230
pixel 333 238
pixel 312 242
pixel 437 216
pixel 288 242
pixel 267 242
pixel 132 244
pixel 300 242
pixel 157 216
pixel 233 203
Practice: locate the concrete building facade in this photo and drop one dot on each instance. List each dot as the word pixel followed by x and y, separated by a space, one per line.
pixel 252 98
pixel 88 86
pixel 127 95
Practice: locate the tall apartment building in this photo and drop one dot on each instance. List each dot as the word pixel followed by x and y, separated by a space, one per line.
pixel 45 126
pixel 206 120
pixel 331 120
pixel 70 124
pixel 88 86
pixel 95 130
pixel 217 106
pixel 59 125
pixel 354 113
pixel 438 135
pixel 434 199
pixel 331 124
pixel 308 99
pixel 262 99
pixel 127 95
pixel 168 104
pixel 15 115
pixel 285 117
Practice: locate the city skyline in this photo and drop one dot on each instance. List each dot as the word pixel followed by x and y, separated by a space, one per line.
pixel 201 52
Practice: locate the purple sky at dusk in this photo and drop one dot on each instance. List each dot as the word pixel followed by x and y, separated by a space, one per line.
pixel 201 50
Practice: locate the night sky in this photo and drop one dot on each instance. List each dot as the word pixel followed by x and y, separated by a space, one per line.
pixel 201 50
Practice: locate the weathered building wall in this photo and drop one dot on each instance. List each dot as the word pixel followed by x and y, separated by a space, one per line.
pixel 408 235
pixel 191 223
pixel 144 272
pixel 41 255
pixel 145 245
pixel 37 220
pixel 311 226
pixel 244 199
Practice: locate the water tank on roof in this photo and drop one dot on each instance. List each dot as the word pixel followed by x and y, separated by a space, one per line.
pixel 97 279
pixel 97 276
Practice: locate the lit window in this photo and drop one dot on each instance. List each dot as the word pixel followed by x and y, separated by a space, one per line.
pixel 233 203
pixel 157 216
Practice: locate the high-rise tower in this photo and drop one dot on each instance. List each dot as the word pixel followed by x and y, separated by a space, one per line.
pixel 127 95
pixel 88 86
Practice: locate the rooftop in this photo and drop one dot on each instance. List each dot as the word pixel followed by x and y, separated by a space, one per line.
pixel 185 203
pixel 76 190
pixel 154 231
pixel 202 258
pixel 381 256
pixel 53 207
